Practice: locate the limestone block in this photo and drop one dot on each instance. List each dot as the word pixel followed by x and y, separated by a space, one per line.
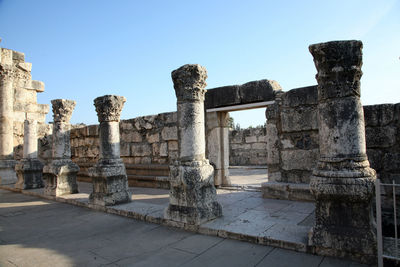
pixel 236 137
pixel 153 138
pixel 145 160
pixel 25 96
pixel 25 66
pixel 375 157
pixel 299 159
pixel 286 143
pixel 380 136
pixel 169 133
pixel 262 138
pixel 60 177
pixel 171 117
pixel 261 146
pixel 391 162
pixel 93 130
pixel 155 149
pixel 140 150
pixel 173 145
pixel 6 56
pixel 379 115
pixel 18 57
pixel 299 119
pixel 131 137
pixel 125 149
pixel 251 139
pixel 125 126
pixel 300 96
pixel 29 172
pixel 164 149
pixel 40 117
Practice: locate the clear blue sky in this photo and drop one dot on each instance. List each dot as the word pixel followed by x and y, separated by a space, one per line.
pixel 84 49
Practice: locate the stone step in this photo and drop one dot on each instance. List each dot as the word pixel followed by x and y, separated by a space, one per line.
pixel 288 191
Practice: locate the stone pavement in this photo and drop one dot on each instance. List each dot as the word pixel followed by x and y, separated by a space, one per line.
pixel 40 232
pixel 248 177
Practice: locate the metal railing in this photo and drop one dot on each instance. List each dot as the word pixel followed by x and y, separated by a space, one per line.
pixel 387 246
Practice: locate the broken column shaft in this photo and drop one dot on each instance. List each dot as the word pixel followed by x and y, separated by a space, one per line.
pixel 192 192
pixel 110 183
pixel 60 173
pixel 342 182
pixel 7 162
pixel 29 169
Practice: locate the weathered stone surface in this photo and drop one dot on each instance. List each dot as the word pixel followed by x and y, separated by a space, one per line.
pixel 110 182
pixel 251 92
pixel 379 115
pixel 60 177
pixel 299 119
pixel 109 107
pixel 170 133
pixel 60 173
pixel 192 192
pixel 342 183
pixel 62 109
pixel 299 159
pixel 29 173
pixel 380 137
pixel 300 97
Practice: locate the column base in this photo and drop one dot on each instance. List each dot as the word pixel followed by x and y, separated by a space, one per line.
pixel 7 171
pixel 110 183
pixel 344 222
pixel 60 177
pixel 30 174
pixel 193 198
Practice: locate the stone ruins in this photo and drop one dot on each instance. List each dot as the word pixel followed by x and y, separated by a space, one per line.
pixel 319 144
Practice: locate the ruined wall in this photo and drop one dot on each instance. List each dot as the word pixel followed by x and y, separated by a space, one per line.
pixel 382 130
pixel 248 147
pixel 292 135
pixel 148 145
pixel 25 98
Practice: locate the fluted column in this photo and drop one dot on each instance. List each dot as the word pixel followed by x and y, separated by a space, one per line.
pixel 60 173
pixel 110 183
pixel 192 192
pixel 7 162
pixel 342 182
pixel 29 169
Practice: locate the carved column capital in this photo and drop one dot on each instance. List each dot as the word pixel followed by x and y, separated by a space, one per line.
pixel 6 72
pixel 62 109
pixel 339 68
pixel 189 82
pixel 109 107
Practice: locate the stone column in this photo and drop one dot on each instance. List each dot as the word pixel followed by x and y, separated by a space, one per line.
pixel 192 193
pixel 60 173
pixel 110 183
pixel 342 182
pixel 7 162
pixel 218 145
pixel 29 169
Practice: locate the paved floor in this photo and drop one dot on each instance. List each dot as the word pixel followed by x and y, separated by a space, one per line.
pixel 248 177
pixel 37 232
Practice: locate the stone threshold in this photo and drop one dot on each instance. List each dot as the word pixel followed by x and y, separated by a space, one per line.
pixel 253 225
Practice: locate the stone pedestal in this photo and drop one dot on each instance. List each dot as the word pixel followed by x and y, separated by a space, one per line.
pixel 218 146
pixel 29 169
pixel 192 192
pixel 60 173
pixel 343 182
pixel 7 162
pixel 110 183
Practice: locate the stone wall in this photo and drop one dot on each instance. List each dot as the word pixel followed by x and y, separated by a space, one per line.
pixel 148 145
pixel 25 98
pixel 248 147
pixel 292 134
pixel 382 130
